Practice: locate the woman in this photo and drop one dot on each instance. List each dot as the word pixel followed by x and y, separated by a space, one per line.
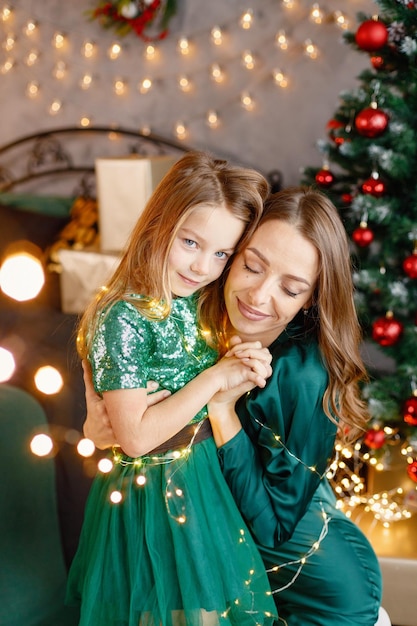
pixel 291 289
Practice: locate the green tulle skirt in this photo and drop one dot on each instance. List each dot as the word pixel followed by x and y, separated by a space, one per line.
pixel 173 552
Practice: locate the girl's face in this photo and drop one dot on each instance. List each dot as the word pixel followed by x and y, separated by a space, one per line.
pixel 270 281
pixel 201 248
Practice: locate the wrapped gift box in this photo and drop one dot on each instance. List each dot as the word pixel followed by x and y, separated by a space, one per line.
pixel 124 185
pixel 83 274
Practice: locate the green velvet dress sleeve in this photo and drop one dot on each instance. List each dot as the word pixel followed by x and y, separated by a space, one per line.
pixel 276 462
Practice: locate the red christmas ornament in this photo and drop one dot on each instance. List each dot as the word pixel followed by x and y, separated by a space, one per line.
pixel 374 438
pixel 347 198
pixel 324 177
pixel 377 62
pixel 373 186
pixel 412 471
pixel 410 265
pixel 331 126
pixel 387 330
pixel 371 122
pixel 410 411
pixel 371 35
pixel 363 236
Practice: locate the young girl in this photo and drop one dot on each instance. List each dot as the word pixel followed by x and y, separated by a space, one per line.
pixel 163 543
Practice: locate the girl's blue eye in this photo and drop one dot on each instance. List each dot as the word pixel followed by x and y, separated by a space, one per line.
pixel 190 242
pixel 222 255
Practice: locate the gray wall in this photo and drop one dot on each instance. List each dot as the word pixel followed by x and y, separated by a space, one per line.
pixel 282 130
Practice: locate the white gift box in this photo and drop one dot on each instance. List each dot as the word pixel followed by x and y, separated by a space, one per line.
pixel 124 185
pixel 83 275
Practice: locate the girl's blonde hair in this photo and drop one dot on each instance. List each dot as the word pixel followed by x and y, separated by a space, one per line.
pixel 333 314
pixel 197 178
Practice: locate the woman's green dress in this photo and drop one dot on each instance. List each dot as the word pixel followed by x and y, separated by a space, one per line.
pixel 163 543
pixel 322 569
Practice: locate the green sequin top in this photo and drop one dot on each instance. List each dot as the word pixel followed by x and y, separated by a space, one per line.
pixel 129 350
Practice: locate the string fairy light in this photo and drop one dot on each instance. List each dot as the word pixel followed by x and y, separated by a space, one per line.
pixel 9 42
pixel 216 35
pixel 114 51
pixel 7 65
pixel 184 83
pixel 5 13
pixel 217 73
pixel 247 101
pixel 246 21
pixel 310 49
pixel 248 60
pixel 88 49
pixel 281 40
pixel 150 52
pixel 212 119
pixel 86 81
pixel 32 89
pixel 279 78
pixel 223 60
pixel 145 85
pixel 59 40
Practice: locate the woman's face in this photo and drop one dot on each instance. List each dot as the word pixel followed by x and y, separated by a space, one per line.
pixel 270 281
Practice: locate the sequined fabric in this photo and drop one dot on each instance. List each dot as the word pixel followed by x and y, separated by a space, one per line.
pixel 129 350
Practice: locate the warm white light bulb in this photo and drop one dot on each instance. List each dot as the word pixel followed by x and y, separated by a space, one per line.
pixel 280 79
pixel 247 101
pixel 55 107
pixel 88 49
pixel 212 119
pixel 114 51
pixel 30 28
pixel 86 447
pixel 281 40
pixel 216 35
pixel 150 52
pixel 7 66
pixel 145 85
pixel 248 60
pixel 246 21
pixel 58 40
pixel 310 49
pixel 184 83
pixel 22 276
pixel 7 365
pixel 181 130
pixel 217 74
pixel 5 13
pixel 9 42
pixel 184 46
pixel 316 14
pixel 48 380
pixel 41 445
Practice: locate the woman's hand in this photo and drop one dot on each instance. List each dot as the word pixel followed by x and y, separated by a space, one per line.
pixel 97 425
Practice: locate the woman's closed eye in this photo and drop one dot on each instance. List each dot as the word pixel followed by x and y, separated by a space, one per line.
pixel 250 269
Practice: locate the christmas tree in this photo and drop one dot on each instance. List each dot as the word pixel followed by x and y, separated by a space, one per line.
pixel 369 170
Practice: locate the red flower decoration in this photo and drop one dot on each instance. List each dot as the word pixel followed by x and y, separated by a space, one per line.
pixel 139 16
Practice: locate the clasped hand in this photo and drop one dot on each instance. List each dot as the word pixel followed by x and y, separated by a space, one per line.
pixel 256 370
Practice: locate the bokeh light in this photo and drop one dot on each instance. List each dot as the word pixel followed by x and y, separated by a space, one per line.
pixel 7 365
pixel 22 276
pixel 48 380
pixel 41 445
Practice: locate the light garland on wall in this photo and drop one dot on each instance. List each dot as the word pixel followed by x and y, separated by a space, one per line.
pixel 259 59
